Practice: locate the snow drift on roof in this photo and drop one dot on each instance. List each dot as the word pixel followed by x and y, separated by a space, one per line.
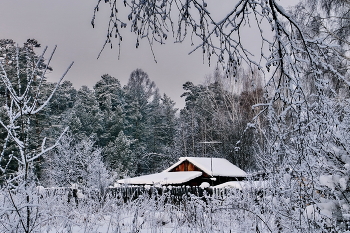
pixel 163 178
pixel 213 166
pixel 231 184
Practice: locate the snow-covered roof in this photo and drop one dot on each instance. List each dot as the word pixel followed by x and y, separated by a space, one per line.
pixel 244 184
pixel 163 178
pixel 212 166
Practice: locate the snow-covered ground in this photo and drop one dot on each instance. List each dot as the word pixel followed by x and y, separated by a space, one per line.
pixel 227 210
pixel 53 214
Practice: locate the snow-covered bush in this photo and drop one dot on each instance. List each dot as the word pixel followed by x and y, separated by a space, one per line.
pixel 78 163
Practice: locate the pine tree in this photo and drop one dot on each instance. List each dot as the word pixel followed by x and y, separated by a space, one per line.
pixel 110 98
pixel 85 118
pixel 119 156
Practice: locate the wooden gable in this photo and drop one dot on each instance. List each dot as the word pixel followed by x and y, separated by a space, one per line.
pixel 187 166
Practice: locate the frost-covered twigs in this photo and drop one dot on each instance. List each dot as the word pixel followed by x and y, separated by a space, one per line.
pixel 285 44
pixel 45 150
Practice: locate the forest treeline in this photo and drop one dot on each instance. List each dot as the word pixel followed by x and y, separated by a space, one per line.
pixel 133 129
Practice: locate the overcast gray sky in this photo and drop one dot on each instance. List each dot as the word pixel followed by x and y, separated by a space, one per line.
pixel 66 23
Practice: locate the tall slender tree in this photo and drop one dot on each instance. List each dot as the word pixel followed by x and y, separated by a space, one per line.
pixel 22 85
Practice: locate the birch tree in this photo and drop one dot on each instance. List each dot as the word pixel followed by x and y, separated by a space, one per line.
pixel 22 75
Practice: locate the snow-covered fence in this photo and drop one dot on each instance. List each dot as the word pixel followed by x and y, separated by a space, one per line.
pixel 171 193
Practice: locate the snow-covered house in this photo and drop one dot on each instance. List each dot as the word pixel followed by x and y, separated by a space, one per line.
pixel 192 171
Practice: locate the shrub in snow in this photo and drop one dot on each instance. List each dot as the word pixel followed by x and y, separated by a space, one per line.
pixel 78 164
